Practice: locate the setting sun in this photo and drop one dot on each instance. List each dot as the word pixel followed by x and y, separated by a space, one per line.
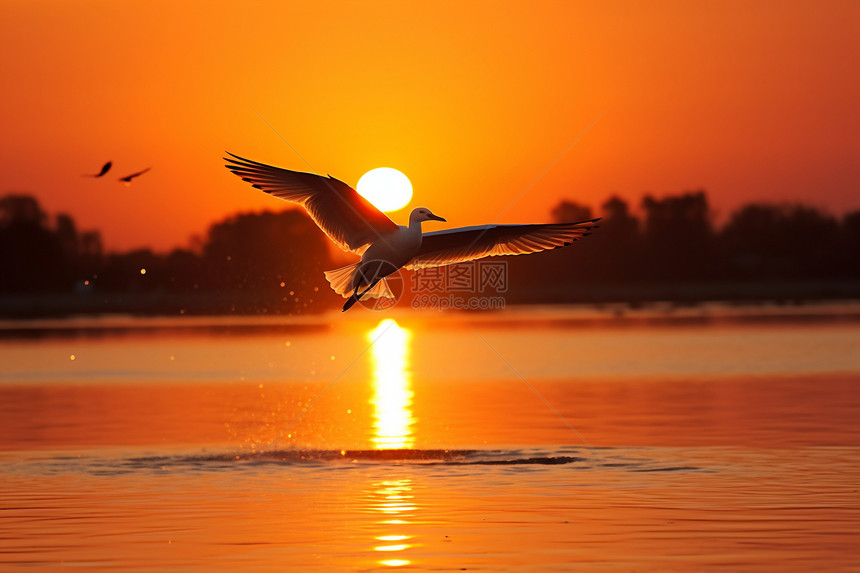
pixel 388 189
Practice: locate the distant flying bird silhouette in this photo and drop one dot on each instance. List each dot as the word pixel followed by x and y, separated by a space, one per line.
pixel 105 168
pixel 355 225
pixel 127 179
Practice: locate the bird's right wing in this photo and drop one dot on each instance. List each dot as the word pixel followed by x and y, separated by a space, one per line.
pixel 345 216
pixel 128 178
pixel 451 246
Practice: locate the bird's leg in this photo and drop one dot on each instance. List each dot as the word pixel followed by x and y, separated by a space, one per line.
pixel 351 300
pixel 373 284
pixel 357 297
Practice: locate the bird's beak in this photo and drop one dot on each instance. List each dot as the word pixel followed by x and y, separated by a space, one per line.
pixel 437 218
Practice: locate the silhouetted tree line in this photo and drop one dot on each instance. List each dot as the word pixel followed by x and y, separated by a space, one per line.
pixel 248 263
pixel 274 262
pixel 674 251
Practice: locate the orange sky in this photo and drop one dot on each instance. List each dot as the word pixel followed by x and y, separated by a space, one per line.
pixel 473 101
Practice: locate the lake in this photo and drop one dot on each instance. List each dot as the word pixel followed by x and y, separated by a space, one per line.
pixel 532 439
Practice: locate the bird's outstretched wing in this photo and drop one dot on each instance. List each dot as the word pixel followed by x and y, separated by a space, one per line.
pixel 345 216
pixel 469 243
pixel 128 178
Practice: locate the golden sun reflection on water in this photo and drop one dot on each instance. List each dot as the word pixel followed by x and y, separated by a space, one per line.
pixel 392 404
pixel 392 389
pixel 394 499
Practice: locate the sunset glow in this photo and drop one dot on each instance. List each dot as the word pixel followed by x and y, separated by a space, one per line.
pixel 431 286
pixel 750 101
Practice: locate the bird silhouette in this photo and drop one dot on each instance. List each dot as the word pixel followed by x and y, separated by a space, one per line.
pixel 127 179
pixel 356 225
pixel 105 168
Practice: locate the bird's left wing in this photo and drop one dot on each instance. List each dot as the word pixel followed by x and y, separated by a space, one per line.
pixel 469 243
pixel 345 216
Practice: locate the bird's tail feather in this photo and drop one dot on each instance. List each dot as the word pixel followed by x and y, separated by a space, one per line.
pixel 380 290
pixel 341 279
pixel 341 283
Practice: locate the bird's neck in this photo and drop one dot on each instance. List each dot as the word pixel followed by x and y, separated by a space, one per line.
pixel 415 228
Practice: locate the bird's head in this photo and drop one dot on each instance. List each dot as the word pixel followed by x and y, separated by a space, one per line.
pixel 424 214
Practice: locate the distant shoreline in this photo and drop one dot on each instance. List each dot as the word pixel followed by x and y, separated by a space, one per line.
pixel 617 300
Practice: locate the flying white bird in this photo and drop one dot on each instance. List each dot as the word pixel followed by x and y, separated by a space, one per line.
pixel 355 225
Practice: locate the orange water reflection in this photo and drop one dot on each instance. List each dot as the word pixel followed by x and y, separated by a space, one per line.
pixel 392 386
pixel 777 454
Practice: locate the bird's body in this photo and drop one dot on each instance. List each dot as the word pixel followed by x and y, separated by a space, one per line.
pixel 397 247
pixel 105 168
pixel 356 225
pixel 392 251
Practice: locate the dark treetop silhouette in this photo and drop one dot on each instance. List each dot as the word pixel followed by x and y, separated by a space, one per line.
pixel 357 226
pixel 764 252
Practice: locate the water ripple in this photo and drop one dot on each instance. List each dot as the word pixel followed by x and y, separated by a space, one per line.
pixel 576 458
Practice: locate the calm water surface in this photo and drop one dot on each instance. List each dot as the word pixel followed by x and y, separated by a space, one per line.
pixel 530 440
